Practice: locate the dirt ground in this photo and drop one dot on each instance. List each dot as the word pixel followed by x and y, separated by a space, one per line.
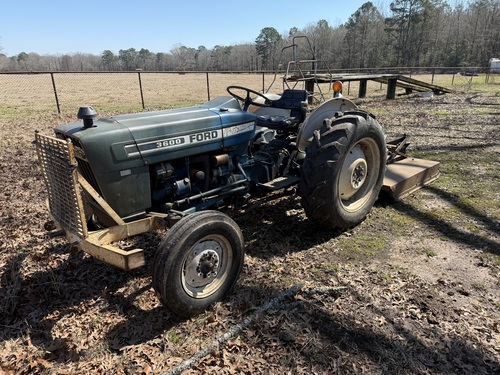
pixel 414 289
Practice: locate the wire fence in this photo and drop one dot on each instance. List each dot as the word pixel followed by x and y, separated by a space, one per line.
pixel 35 94
pixel 64 93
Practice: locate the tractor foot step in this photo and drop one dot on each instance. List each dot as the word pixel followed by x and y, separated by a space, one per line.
pixel 280 183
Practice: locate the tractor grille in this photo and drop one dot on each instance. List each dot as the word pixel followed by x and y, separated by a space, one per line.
pixel 83 164
pixel 86 171
pixel 58 164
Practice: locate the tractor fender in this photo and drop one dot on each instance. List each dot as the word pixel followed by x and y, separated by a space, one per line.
pixel 315 120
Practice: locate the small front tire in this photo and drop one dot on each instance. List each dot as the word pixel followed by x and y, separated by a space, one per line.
pixel 198 262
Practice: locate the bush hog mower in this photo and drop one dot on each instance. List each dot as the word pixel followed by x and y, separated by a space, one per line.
pixel 112 178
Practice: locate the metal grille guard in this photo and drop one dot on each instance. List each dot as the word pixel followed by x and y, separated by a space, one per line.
pixel 59 169
pixel 64 188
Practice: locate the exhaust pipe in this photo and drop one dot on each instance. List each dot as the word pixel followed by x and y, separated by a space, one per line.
pixel 87 114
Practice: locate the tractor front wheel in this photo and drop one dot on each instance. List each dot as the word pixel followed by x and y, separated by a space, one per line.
pixel 343 170
pixel 198 262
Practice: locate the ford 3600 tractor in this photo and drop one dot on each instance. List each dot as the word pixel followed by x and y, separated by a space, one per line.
pixel 115 177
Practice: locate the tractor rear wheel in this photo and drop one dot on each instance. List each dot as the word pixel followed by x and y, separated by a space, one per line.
pixel 343 170
pixel 198 262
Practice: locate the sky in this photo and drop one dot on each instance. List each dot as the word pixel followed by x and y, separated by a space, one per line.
pixel 91 26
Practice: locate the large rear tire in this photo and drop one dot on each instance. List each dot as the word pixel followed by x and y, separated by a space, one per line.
pixel 198 262
pixel 343 170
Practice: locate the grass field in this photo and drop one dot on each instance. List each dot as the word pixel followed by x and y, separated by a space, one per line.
pixel 33 94
pixel 414 289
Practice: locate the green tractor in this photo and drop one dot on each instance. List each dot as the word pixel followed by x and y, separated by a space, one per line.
pixel 111 178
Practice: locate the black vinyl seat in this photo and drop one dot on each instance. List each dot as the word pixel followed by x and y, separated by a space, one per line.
pixel 293 100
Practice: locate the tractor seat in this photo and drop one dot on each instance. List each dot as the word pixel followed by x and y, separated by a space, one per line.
pixel 293 100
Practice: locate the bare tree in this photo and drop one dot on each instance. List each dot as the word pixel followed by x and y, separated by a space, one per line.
pixel 183 57
pixel 163 61
pixel 220 58
pixel 482 31
pixel 244 57
pixel 364 31
pixel 327 43
pixel 203 58
pixel 66 62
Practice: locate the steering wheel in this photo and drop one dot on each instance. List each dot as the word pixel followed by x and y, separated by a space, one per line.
pixel 248 101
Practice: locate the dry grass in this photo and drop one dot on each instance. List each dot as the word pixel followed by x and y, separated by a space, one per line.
pixel 419 277
pixel 32 95
pixel 28 95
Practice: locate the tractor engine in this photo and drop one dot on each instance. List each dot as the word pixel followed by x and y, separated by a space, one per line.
pixel 175 183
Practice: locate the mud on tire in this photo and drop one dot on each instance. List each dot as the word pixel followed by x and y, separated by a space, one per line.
pixel 343 170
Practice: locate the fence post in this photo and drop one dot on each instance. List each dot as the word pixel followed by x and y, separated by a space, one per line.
pixel 263 86
pixel 208 87
pixel 140 89
pixel 55 92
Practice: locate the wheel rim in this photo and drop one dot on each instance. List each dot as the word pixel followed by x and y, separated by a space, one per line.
pixel 359 174
pixel 206 266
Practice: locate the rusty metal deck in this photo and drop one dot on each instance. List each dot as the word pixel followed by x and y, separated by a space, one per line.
pixel 407 175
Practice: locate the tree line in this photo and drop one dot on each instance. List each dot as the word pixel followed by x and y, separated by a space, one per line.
pixel 413 33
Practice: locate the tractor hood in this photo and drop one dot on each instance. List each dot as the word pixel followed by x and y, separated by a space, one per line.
pixel 143 138
pixel 118 150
